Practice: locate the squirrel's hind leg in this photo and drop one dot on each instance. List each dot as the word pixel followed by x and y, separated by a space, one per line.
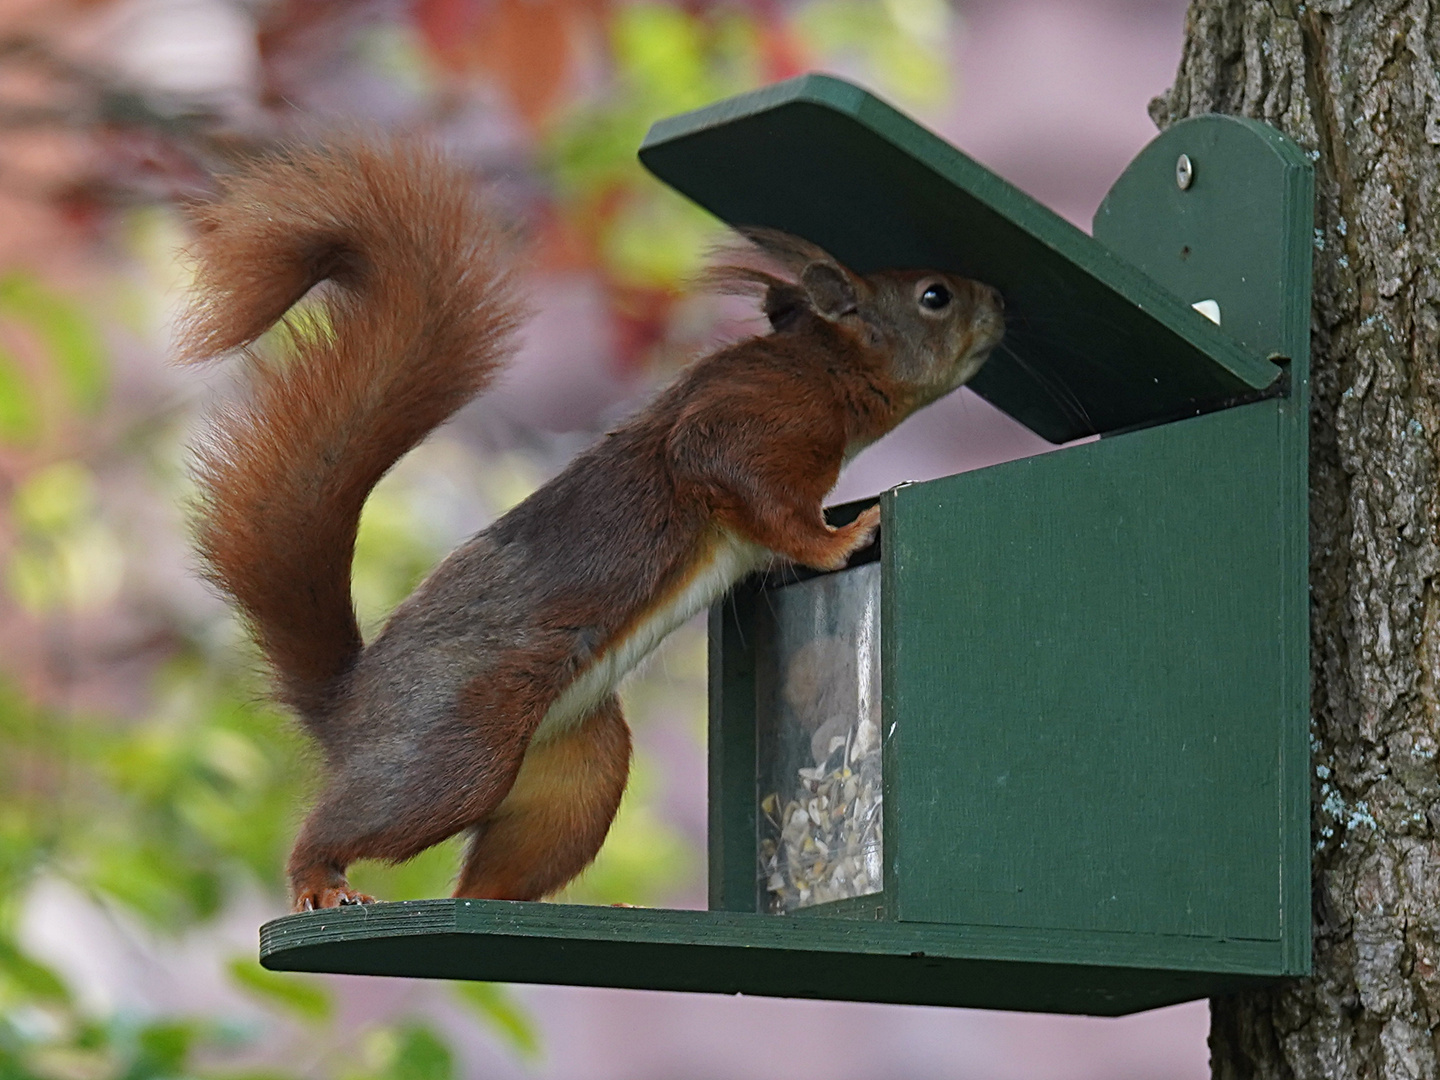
pixel 553 821
pixel 388 806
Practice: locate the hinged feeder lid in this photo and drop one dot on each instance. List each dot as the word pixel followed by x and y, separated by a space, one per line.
pixel 1094 345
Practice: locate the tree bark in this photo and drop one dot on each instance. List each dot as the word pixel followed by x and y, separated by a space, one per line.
pixel 1358 85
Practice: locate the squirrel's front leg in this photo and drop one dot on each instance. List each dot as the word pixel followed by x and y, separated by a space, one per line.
pixel 782 510
pixel 767 482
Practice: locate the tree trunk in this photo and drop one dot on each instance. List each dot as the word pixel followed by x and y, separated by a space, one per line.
pixel 1358 85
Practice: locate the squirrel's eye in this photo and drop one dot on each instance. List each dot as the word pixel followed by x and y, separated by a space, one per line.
pixel 935 297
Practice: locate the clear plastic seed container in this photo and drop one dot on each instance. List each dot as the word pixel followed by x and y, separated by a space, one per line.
pixel 820 817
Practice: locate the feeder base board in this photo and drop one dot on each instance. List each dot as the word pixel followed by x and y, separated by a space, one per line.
pixel 767 955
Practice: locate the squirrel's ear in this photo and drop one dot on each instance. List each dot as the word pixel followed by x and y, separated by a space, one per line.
pixel 830 289
pixel 783 304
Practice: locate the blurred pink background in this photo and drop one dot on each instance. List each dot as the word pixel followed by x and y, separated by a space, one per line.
pixel 1052 96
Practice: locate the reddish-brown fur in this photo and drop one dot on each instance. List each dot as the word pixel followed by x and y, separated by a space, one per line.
pixel 395 224
pixel 552 822
pixel 453 718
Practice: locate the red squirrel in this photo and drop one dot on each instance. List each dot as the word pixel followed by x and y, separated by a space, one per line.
pixel 487 704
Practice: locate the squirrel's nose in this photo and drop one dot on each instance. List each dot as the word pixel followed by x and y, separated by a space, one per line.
pixel 995 298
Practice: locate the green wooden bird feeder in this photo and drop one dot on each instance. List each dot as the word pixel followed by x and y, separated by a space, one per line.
pixel 1046 746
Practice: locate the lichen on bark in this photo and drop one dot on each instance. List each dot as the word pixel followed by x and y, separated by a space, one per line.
pixel 1357 84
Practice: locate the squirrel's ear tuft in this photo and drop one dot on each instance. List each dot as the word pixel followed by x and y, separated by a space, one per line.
pixel 824 286
pixel 830 289
pixel 788 251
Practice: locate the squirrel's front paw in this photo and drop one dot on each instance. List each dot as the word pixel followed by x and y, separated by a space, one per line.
pixel 848 539
pixel 865 526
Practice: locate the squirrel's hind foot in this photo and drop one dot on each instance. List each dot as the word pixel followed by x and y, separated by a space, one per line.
pixel 320 885
pixel 330 897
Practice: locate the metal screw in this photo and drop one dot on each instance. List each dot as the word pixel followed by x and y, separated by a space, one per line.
pixel 1184 172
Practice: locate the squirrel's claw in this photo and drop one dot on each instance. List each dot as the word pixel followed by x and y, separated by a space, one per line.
pixel 333 897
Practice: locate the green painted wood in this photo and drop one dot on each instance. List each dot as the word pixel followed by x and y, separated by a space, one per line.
pixel 1235 235
pixel 1085 716
pixel 869 908
pixel 732 801
pixel 1124 743
pixel 1093 345
pixel 728 953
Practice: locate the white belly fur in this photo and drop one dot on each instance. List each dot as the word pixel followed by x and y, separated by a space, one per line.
pixel 730 560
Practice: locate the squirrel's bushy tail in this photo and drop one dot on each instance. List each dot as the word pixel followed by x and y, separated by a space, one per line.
pixel 417 316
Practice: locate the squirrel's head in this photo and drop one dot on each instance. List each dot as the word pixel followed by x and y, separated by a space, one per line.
pixel 936 328
pixel 942 327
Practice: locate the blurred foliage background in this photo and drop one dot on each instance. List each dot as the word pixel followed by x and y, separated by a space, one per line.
pixel 147 790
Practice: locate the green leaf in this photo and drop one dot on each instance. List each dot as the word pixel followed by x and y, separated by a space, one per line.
pixel 71 341
pixel 19 411
pixel 55 498
pixel 661 50
pixel 421 1055
pixel 306 998
pixel 498 1008
pixel 659 241
pixel 427 875
pixel 28 977
pixel 901 45
pixel 163 1049
pixel 155 879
